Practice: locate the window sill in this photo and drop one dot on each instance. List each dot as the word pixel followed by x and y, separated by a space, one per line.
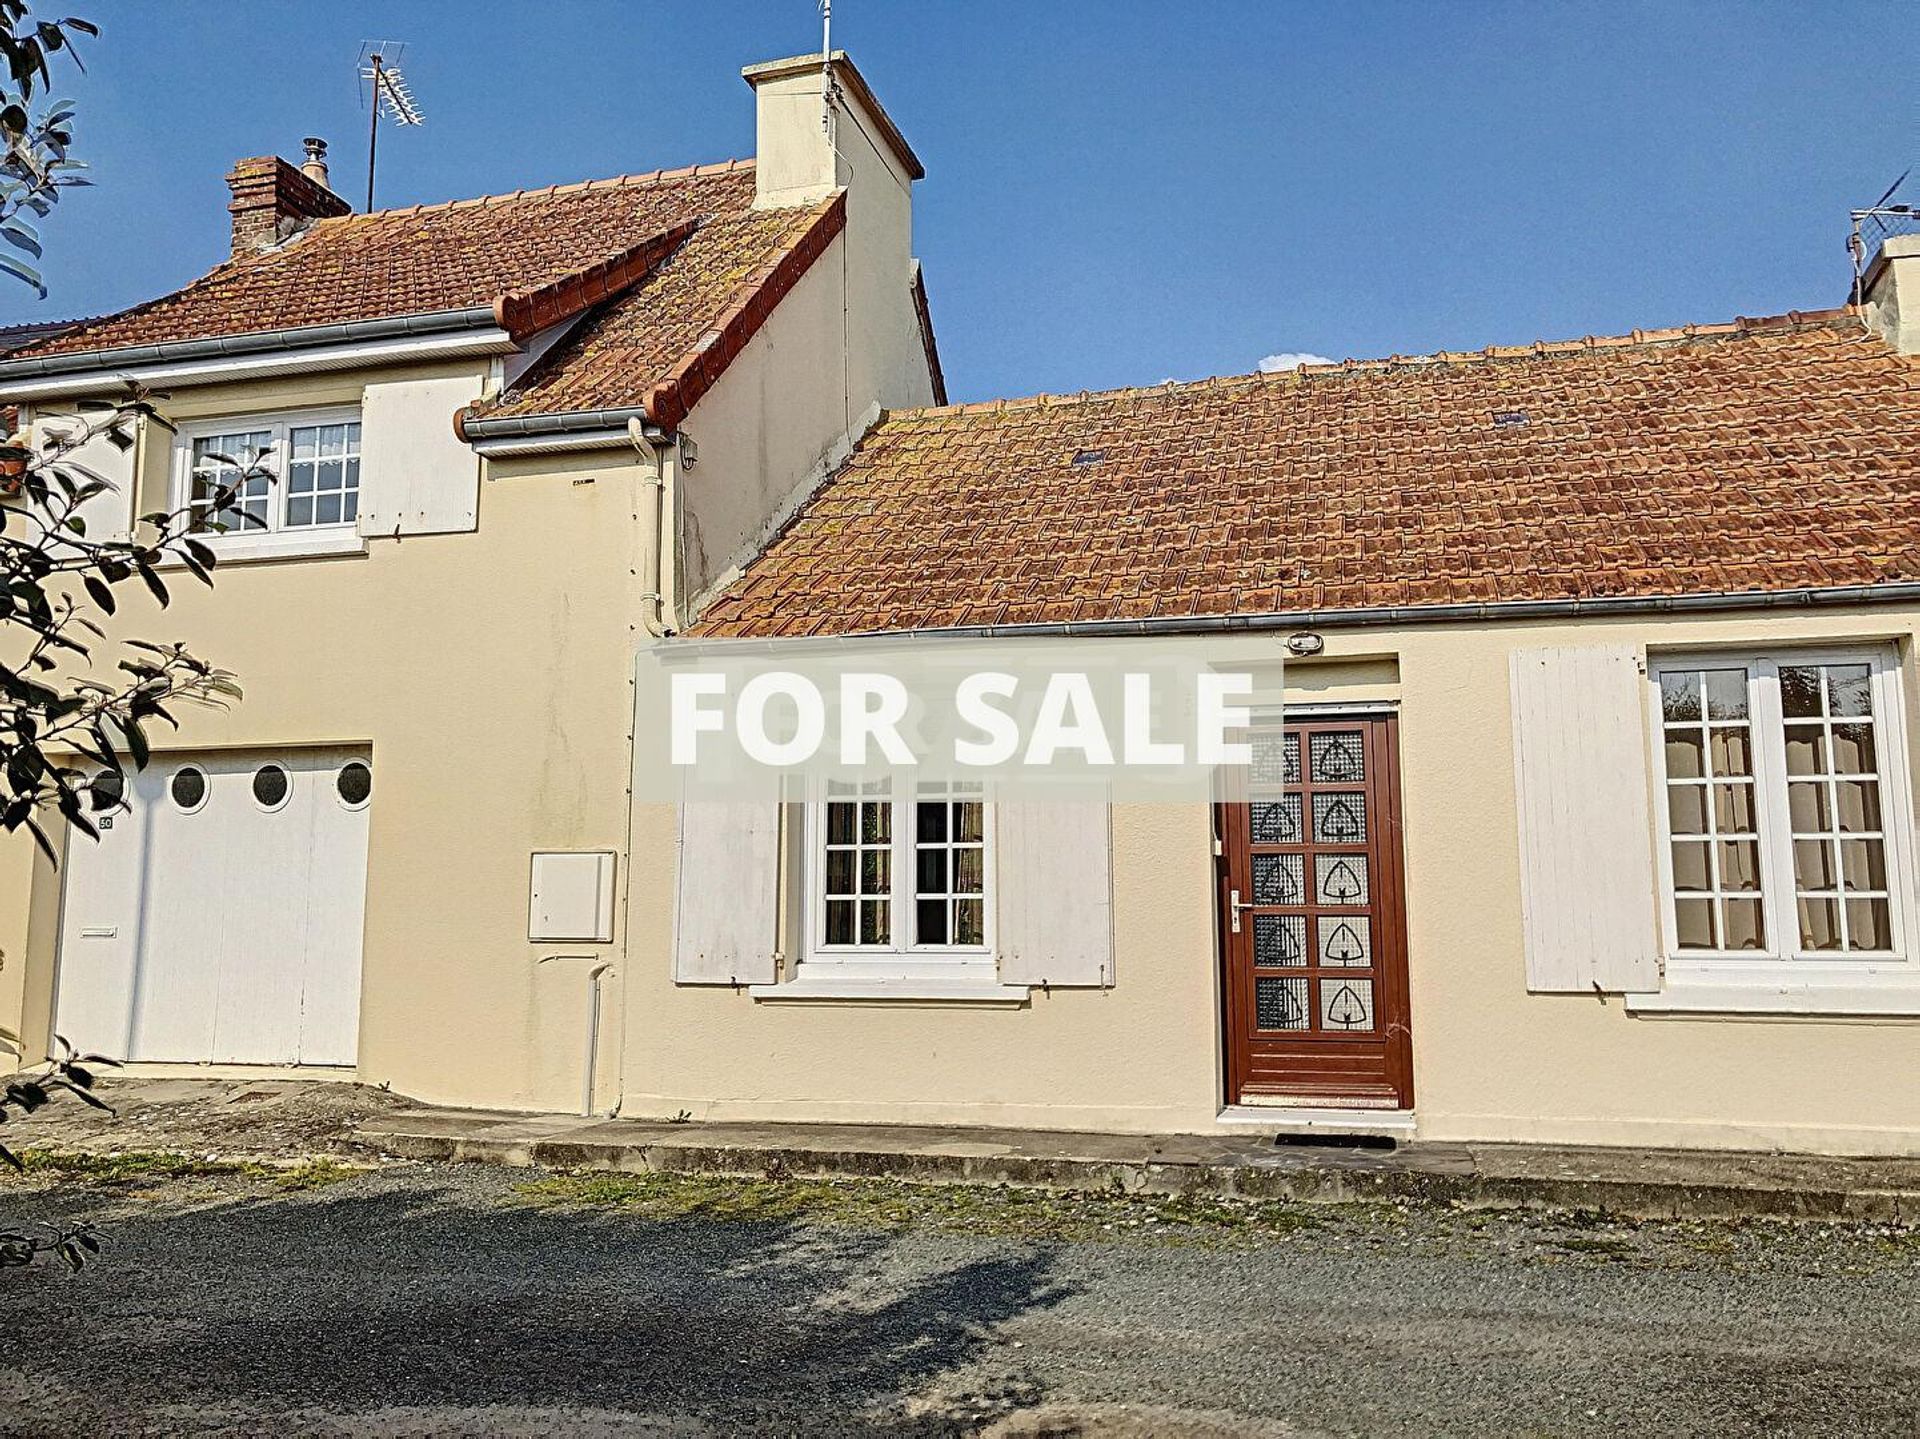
pixel 1837 997
pixel 945 991
pixel 280 545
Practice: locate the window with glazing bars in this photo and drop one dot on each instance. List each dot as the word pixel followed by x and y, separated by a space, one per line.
pixel 900 875
pixel 304 476
pixel 1779 773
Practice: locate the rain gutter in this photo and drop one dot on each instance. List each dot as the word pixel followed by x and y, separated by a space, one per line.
pixel 551 434
pixel 308 347
pixel 1395 616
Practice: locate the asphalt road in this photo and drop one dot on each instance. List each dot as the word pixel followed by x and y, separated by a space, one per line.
pixel 438 1301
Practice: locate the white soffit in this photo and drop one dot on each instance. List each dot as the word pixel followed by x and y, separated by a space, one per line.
pixel 219 369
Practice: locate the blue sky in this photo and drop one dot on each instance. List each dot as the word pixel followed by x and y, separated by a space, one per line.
pixel 1118 192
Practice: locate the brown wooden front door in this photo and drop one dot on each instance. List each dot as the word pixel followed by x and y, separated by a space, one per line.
pixel 1314 920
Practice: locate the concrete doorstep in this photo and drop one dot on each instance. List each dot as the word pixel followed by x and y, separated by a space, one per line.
pixel 1637 1183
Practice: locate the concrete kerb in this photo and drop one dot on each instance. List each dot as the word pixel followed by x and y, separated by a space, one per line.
pixel 1247 1169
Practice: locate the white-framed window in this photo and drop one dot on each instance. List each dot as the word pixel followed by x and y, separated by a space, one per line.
pixel 1784 813
pixel 899 881
pixel 308 489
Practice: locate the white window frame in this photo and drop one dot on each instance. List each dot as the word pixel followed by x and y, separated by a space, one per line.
pixel 963 965
pixel 240 542
pixel 1785 977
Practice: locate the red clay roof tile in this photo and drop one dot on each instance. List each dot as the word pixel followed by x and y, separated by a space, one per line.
pixel 681 267
pixel 663 343
pixel 428 258
pixel 1758 455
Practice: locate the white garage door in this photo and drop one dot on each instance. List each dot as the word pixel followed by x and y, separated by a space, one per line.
pixel 220 920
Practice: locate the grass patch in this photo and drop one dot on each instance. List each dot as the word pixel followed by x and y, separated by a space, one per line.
pixel 1598 1248
pixel 320 1173
pixel 134 1166
pixel 154 1166
pixel 997 1210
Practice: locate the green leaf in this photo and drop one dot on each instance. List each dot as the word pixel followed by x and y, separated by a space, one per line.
pixel 82 1095
pixel 21 236
pixel 24 272
pixel 155 585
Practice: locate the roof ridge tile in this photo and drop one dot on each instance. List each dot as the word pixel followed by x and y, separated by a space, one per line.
pixel 605 182
pixel 1792 321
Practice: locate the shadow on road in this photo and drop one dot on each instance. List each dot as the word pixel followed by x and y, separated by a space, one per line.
pixel 353 1303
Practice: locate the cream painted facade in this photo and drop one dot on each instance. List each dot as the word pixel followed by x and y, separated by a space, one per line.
pixel 1492 1061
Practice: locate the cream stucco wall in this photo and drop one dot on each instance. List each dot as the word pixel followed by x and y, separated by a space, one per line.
pixel 1491 1060
pixel 489 673
pixel 769 429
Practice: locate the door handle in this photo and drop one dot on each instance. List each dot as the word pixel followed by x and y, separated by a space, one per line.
pixel 1234 905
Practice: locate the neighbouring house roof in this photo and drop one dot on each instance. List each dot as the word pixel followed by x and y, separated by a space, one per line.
pixel 17 337
pixel 1756 456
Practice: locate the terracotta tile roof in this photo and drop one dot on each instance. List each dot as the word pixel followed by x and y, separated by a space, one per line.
pixel 663 343
pixel 425 259
pixel 1754 456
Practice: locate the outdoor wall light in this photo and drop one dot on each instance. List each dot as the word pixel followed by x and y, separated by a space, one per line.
pixel 1304 644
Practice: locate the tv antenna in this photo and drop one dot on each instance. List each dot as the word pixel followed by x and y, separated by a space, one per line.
pixel 384 87
pixel 826 67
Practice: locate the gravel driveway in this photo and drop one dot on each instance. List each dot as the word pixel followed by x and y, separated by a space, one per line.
pixel 426 1300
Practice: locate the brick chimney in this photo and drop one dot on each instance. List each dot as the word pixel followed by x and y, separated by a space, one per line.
pixel 272 201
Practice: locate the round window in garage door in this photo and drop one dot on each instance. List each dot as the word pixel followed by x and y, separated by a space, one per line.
pixel 271 786
pixel 354 784
pixel 188 787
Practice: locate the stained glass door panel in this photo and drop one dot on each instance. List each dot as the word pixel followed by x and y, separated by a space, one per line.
pixel 1313 920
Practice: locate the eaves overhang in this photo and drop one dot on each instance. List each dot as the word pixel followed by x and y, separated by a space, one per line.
pixel 444 333
pixel 1404 616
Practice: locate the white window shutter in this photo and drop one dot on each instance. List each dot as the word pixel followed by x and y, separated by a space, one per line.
pixel 1053 908
pixel 726 914
pixel 417 477
pixel 107 516
pixel 1588 893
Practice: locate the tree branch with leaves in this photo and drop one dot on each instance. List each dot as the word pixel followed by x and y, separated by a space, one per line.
pixel 35 165
pixel 65 732
pixel 30 1089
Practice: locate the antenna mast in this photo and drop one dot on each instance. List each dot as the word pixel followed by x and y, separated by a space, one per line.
pixel 826 66
pixel 388 90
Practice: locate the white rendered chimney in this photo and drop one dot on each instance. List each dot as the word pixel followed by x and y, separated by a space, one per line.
pixel 815 120
pixel 1890 293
